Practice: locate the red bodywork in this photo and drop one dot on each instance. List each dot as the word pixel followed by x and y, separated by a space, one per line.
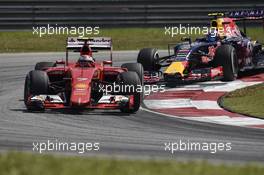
pixel 76 84
pixel 79 82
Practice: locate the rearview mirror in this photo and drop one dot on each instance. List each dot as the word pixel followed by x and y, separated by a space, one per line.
pixel 60 62
pixel 107 62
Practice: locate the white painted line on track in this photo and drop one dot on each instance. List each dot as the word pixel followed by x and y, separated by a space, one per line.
pixel 226 120
pixel 215 86
pixel 185 89
pixel 231 86
pixel 181 103
pixel 205 104
pixel 170 103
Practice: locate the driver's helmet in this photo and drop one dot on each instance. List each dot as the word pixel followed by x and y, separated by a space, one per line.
pixel 85 61
pixel 212 36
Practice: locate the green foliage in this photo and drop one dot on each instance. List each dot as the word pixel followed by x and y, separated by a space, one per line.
pixel 248 100
pixel 123 39
pixel 31 164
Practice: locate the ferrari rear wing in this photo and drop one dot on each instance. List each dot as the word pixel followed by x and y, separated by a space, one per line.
pixel 95 43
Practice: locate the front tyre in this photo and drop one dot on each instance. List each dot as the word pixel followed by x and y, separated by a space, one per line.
pixel 135 67
pixel 226 57
pixel 36 83
pixel 130 81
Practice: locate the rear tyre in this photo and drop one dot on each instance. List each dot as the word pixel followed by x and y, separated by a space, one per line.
pixel 36 83
pixel 131 79
pixel 148 57
pixel 226 57
pixel 44 65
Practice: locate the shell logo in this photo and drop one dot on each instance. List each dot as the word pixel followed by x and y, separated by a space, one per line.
pixel 81 86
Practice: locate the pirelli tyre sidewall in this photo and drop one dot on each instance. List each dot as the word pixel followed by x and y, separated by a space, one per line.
pixel 130 78
pixel 135 67
pixel 227 58
pixel 138 68
pixel 148 57
pixel 36 83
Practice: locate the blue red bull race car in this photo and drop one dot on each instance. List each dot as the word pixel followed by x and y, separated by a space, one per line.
pixel 221 54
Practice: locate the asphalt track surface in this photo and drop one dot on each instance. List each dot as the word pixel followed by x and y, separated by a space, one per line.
pixel 139 135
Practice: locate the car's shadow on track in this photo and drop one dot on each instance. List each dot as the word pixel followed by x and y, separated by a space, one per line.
pixel 73 112
pixel 250 73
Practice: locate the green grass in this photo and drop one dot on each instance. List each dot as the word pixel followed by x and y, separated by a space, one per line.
pixel 248 100
pixel 32 164
pixel 123 39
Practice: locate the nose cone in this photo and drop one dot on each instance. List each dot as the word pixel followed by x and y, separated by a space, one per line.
pixel 176 67
pixel 81 86
pixel 81 94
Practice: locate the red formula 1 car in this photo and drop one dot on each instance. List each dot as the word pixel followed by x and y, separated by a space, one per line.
pixel 85 83
pixel 221 54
